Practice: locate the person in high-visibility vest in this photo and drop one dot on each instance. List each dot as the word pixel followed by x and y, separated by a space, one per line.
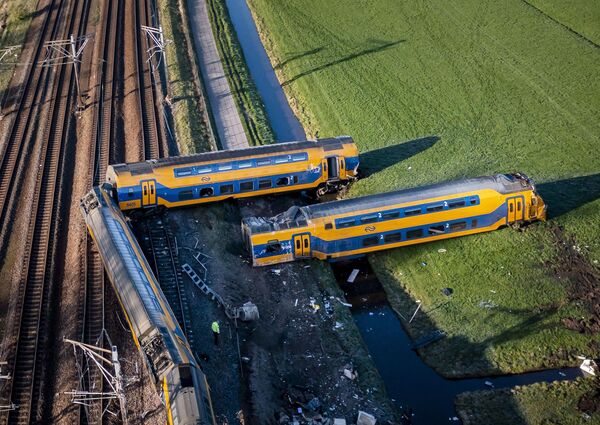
pixel 216 331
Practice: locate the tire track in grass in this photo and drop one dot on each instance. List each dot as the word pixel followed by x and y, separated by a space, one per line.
pixel 516 68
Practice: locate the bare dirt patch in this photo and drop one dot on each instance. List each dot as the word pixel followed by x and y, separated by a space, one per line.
pixel 584 282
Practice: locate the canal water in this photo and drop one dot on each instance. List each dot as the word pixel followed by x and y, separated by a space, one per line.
pixel 410 383
pixel 413 386
pixel 283 121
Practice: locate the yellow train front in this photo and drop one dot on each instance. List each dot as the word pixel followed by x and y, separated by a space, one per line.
pixel 354 227
pixel 323 164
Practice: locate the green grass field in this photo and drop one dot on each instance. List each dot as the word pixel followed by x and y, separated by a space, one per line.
pixel 538 404
pixel 443 90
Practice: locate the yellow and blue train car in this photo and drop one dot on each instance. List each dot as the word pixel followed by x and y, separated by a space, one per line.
pixel 354 227
pixel 323 164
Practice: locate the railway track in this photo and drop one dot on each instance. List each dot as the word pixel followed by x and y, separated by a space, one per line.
pixel 38 270
pixel 153 143
pixel 160 244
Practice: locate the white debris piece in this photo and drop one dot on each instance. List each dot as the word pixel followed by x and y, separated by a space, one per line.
pixel 441 250
pixel 589 367
pixel 365 418
pixel 350 374
pixel 276 272
pixel 338 421
pixel 352 276
pixel 489 384
pixel 343 303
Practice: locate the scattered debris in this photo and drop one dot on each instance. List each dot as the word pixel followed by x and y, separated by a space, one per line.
pixel 345 304
pixel 365 418
pixel 447 291
pixel 489 384
pixel 339 421
pixel 339 325
pixel 487 304
pixel 352 276
pixel 589 367
pixel 349 372
pixel 441 250
pixel 454 418
pixel 276 272
pixel 423 263
pixel 428 339
pixel 416 311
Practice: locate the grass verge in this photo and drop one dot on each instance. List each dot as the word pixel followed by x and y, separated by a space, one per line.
pixel 249 103
pixel 15 17
pixel 565 403
pixel 192 123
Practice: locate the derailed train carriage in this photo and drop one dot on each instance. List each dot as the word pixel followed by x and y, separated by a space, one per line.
pixel 176 373
pixel 324 165
pixel 354 227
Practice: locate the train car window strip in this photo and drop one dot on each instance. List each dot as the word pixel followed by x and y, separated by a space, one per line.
pixel 246 186
pixel 393 237
pixel 226 188
pixel 414 233
pixel 244 164
pixel 410 211
pixel 186 195
pixel 369 218
pixel 371 241
pixel 265 184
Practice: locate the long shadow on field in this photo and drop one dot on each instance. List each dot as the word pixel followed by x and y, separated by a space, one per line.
pixel 379 46
pixel 297 56
pixel 563 196
pixel 376 160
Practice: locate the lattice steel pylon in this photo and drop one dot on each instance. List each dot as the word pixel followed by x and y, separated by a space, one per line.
pixel 5 51
pixel 65 52
pixel 110 370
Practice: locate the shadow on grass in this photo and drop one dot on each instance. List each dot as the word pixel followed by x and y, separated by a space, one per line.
pixel 375 47
pixel 563 196
pixel 376 160
pixel 296 56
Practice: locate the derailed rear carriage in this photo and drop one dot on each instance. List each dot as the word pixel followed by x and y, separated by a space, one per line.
pixel 176 374
pixel 355 227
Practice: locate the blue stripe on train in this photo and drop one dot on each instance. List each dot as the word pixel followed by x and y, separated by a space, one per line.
pixel 353 243
pixel 172 194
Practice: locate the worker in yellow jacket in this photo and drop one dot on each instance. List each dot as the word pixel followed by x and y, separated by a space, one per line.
pixel 216 331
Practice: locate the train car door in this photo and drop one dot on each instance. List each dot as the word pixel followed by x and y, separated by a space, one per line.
pixel 515 209
pixel 302 245
pixel 148 193
pixel 333 166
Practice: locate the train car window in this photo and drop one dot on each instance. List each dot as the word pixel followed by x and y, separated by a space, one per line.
pixel 282 181
pixel 244 164
pixel 295 179
pixel 298 244
pixel 473 224
pixel 130 193
pixel 415 233
pixel 390 215
pixel 185 375
pixel 225 166
pixel 301 222
pixel 342 164
pixel 393 237
pixel 281 159
pixel 328 226
pixel 203 170
pixel 297 157
pixel 207 191
pixel 369 218
pixel 345 223
pixel 185 195
pixel 511 207
pixel 461 225
pixel 273 247
pixel 264 184
pixel 370 241
pixel 262 162
pixel 436 230
pixel 305 242
pixel 412 211
pixel 473 201
pixel 246 186
pixel 226 188
pixel 434 208
pixel 518 205
pixel 456 204
pixel 182 172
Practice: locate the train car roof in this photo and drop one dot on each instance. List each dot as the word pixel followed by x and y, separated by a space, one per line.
pixel 297 216
pixel 148 166
pixel 502 183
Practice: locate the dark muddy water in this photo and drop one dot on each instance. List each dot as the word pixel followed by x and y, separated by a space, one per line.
pixel 283 121
pixel 410 382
